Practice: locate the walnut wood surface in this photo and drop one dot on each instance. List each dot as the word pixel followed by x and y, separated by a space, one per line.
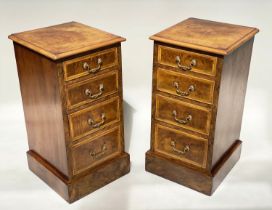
pixel 203 88
pixel 89 152
pixel 205 35
pixel 65 39
pixel 201 117
pixel 78 121
pixel 74 68
pixel 225 164
pixel 231 99
pixel 76 95
pixel 190 177
pixel 176 172
pixel 222 53
pixel 205 64
pixel 100 176
pixel 83 184
pixel 73 147
pixel 198 147
pixel 42 106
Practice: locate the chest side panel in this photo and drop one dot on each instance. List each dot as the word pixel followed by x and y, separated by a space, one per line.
pixel 42 106
pixel 231 99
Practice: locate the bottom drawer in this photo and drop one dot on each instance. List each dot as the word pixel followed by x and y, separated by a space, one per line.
pixel 180 145
pixel 93 151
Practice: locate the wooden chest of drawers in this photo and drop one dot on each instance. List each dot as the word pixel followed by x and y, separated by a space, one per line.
pixel 200 73
pixel 71 85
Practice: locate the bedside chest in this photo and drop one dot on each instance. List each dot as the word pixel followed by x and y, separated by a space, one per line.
pixel 71 85
pixel 200 74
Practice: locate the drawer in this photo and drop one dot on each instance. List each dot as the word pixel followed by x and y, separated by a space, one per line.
pixel 180 145
pixel 187 60
pixel 90 64
pixel 91 119
pixel 189 116
pixel 92 89
pixel 93 151
pixel 185 86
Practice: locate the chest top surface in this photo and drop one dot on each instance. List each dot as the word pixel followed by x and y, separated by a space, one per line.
pixel 205 35
pixel 64 40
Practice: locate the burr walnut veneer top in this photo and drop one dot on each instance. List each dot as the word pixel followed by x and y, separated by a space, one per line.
pixel 205 35
pixel 64 40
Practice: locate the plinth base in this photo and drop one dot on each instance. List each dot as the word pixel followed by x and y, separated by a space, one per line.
pixel 193 178
pixel 80 186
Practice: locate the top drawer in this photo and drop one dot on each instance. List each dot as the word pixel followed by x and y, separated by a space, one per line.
pixel 90 64
pixel 186 60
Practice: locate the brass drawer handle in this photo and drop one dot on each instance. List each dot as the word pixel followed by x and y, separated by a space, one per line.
pixel 96 155
pixel 89 93
pixel 180 152
pixel 185 68
pixel 187 119
pixel 87 67
pixel 191 88
pixel 98 124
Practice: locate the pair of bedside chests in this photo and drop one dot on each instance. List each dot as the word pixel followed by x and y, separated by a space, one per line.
pixel 71 86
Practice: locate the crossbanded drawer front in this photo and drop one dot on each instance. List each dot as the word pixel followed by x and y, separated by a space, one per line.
pixel 93 151
pixel 90 64
pixel 91 119
pixel 180 145
pixel 92 89
pixel 185 86
pixel 186 115
pixel 187 60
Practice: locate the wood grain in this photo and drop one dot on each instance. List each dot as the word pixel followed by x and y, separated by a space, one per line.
pixel 42 106
pixel 231 99
pixel 176 172
pixel 75 126
pixel 76 95
pixel 203 88
pixel 222 53
pixel 226 163
pixel 205 64
pixel 195 179
pixel 74 68
pixel 198 147
pixel 100 176
pixel 90 152
pixel 205 35
pixel 82 184
pixel 64 40
pixel 78 121
pixel 201 117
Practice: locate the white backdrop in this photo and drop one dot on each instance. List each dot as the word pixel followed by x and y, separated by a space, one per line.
pixel 249 184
